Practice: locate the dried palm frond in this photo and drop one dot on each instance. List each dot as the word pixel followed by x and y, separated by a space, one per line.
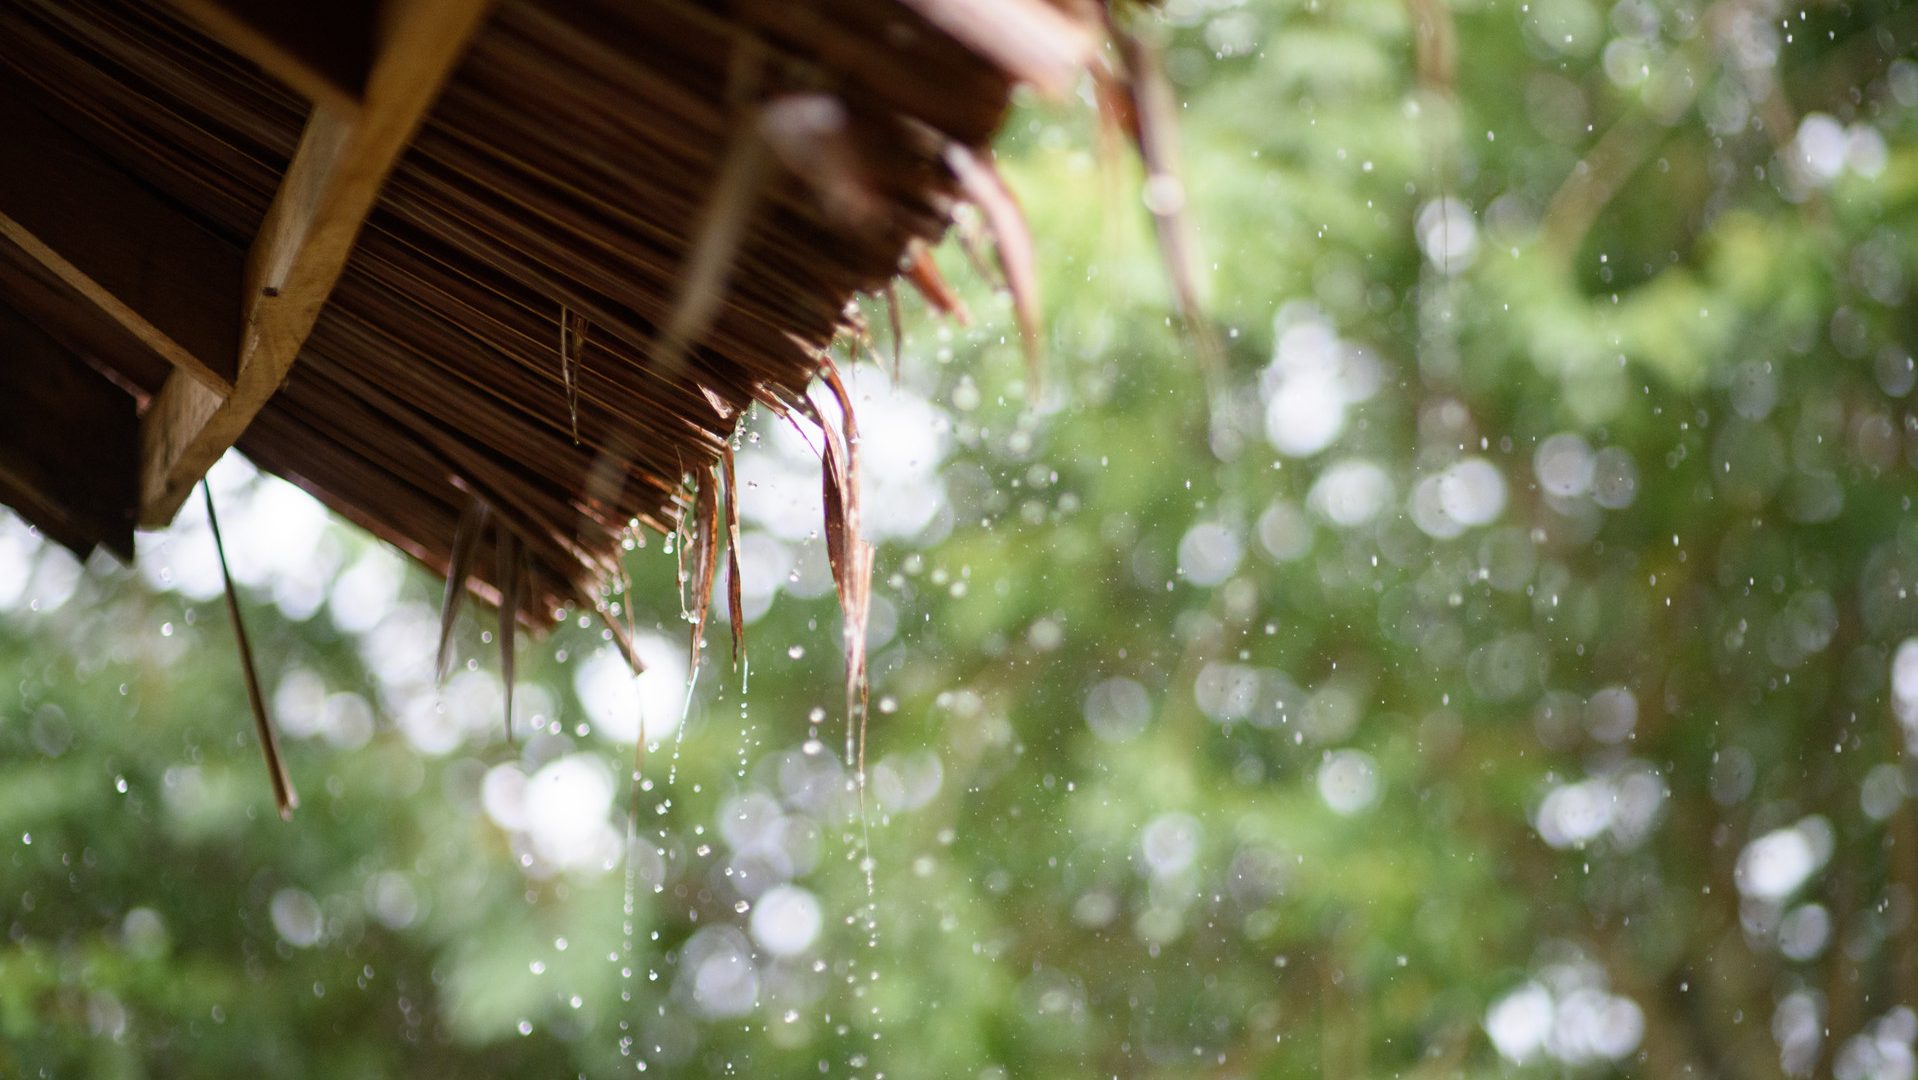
pixel 847 551
pixel 924 275
pixel 735 607
pixel 573 329
pixel 705 545
pixel 987 190
pixel 459 571
pixel 1146 108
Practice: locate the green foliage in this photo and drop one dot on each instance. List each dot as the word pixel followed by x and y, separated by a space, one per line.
pixel 1507 667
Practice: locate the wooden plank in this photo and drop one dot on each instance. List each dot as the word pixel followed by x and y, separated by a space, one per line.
pixel 344 156
pixel 323 51
pixel 79 326
pixel 67 442
pixel 133 255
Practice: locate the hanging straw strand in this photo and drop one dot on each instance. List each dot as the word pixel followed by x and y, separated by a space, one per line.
pixel 284 797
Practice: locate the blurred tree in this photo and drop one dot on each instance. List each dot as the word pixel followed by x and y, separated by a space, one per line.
pixel 1510 665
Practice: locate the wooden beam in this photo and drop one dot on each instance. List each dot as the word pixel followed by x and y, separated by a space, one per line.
pixel 67 442
pixel 136 257
pixel 344 156
pixel 323 51
pixel 78 326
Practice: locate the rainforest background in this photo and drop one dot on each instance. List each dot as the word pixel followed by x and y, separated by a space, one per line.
pixel 1505 664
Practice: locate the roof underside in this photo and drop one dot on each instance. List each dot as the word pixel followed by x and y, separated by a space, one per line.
pixel 613 226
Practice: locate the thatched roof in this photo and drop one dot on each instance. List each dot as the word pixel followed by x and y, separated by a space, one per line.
pixel 504 323
pixel 495 280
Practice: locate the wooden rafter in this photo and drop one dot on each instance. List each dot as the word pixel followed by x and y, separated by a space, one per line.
pixel 76 323
pixel 137 258
pixel 345 154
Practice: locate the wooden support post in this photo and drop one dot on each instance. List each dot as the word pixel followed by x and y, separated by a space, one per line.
pixel 344 155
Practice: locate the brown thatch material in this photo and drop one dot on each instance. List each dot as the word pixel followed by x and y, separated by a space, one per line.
pixel 501 275
pixel 501 331
pixel 504 230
